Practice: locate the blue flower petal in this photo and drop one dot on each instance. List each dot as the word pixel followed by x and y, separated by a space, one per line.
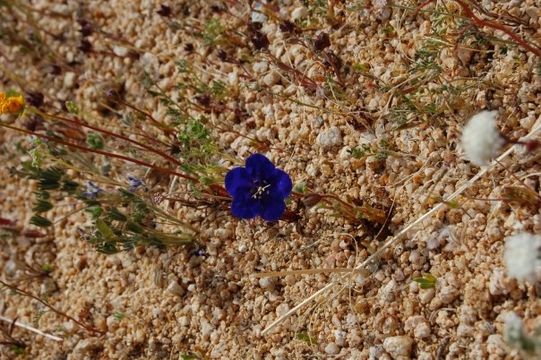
pixel 281 184
pixel 244 207
pixel 237 180
pixel 272 209
pixel 259 167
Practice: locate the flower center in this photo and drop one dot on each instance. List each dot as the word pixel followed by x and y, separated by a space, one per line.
pixel 260 190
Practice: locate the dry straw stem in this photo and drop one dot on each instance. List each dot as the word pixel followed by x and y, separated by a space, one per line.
pixel 401 233
pixel 30 328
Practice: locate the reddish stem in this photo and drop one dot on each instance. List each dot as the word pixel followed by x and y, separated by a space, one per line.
pixel 480 23
pixel 105 153
pixel 125 138
pixel 26 293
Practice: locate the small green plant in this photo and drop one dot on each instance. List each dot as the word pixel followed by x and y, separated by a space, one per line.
pixel 427 281
pixel 190 356
pixel 381 151
pixel 213 32
pixel 304 336
pixel 119 315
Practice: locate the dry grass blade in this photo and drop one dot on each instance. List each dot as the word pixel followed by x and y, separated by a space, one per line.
pixel 30 328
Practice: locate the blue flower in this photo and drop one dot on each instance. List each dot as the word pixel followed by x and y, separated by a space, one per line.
pixel 134 183
pixel 259 189
pixel 92 190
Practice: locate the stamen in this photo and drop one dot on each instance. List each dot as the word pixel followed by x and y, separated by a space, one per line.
pixel 260 191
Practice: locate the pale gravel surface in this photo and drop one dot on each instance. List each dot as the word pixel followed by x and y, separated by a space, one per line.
pixel 176 302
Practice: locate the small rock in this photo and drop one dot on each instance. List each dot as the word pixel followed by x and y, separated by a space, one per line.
pixel 206 328
pixel 175 289
pixel 421 331
pixel 497 285
pixel 120 51
pixel 271 78
pixel 386 293
pixel 150 64
pixel 69 79
pixel 332 349
pixel 258 17
pixel 299 13
pixel 260 67
pixel 374 163
pixel 340 337
pixel 464 330
pixel 496 346
pixel 282 309
pixel 69 326
pixel 317 122
pixel 329 138
pixel 448 294
pixel 265 283
pixel 426 295
pixel 382 9
pixel 398 346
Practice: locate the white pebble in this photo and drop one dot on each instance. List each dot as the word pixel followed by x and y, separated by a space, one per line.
pixel 282 309
pixel 329 138
pixel 332 349
pixel 299 13
pixel 265 283
pixel 271 78
pixel 398 346
pixel 175 289
pixel 340 337
pixel 120 51
pixel 69 79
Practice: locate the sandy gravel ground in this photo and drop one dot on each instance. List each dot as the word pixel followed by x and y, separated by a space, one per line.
pixel 410 82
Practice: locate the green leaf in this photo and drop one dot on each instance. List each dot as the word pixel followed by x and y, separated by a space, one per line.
pixel 119 315
pixel 300 187
pixel 72 107
pixel 47 268
pixel 49 179
pixel 304 336
pixel 115 214
pixel 104 229
pixel 40 221
pixel 70 186
pixel 94 141
pixel 133 227
pixel 42 195
pixel 427 281
pixel 189 356
pixel 95 211
pixel 42 206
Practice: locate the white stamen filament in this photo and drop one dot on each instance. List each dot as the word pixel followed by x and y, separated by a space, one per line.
pixel 260 191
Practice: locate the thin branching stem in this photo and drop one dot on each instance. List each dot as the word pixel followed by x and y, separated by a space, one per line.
pixel 100 152
pixel 112 134
pixel 52 308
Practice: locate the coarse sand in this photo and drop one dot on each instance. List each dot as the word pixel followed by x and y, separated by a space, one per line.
pixel 399 86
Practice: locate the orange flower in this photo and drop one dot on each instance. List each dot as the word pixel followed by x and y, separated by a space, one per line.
pixel 11 104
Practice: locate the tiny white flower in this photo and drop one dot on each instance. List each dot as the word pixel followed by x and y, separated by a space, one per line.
pixel 481 140
pixel 522 256
pixel 513 327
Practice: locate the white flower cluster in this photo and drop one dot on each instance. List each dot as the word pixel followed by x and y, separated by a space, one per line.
pixel 522 256
pixel 513 327
pixel 481 140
